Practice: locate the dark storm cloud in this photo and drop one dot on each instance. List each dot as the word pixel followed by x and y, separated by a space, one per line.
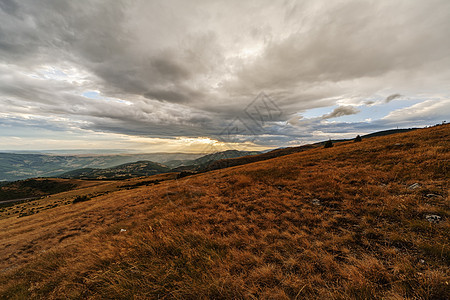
pixel 177 68
pixel 341 111
pixel 9 6
pixel 392 97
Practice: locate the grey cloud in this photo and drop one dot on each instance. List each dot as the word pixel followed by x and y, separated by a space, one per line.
pixel 346 43
pixel 341 111
pixel 392 97
pixel 53 100
pixel 168 95
pixel 9 6
pixel 170 70
pixel 174 93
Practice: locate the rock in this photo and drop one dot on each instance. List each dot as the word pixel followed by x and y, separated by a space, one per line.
pixel 433 218
pixel 315 202
pixel 433 196
pixel 123 230
pixel 414 186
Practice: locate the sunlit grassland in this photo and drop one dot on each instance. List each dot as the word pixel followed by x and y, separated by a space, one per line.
pixel 333 223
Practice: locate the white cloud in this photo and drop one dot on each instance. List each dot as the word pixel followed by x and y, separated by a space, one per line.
pixel 429 110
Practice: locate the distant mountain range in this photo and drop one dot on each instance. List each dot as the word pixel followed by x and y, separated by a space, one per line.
pixel 148 168
pixel 22 166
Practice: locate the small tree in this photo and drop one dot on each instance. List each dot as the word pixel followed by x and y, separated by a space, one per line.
pixel 328 144
pixel 357 138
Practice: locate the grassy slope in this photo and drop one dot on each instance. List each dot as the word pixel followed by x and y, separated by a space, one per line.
pixel 237 161
pixel 31 228
pixel 253 231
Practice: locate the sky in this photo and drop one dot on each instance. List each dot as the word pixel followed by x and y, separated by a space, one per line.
pixel 197 76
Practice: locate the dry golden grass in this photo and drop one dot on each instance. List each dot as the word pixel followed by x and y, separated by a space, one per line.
pixel 252 231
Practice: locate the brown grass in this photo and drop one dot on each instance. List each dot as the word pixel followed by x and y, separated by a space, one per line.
pixel 252 231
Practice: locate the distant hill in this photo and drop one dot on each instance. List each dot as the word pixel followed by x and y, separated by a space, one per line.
pixel 148 168
pixel 222 155
pixel 388 132
pixel 22 166
pixel 33 188
pixel 374 134
pixel 202 162
pixel 124 171
pixel 225 163
pixel 177 163
pixel 237 161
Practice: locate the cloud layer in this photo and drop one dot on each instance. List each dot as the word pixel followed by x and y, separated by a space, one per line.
pixel 170 69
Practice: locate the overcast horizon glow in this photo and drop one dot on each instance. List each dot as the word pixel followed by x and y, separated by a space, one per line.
pixel 171 76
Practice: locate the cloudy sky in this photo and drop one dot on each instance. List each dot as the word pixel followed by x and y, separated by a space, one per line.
pixel 152 76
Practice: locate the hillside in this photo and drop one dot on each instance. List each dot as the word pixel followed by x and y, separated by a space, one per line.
pixel 230 161
pixel 125 171
pixel 202 162
pixel 365 220
pixel 388 132
pixel 237 161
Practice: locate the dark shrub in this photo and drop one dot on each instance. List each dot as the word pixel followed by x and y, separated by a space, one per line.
pixel 328 144
pixel 185 173
pixel 81 199
pixel 357 138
